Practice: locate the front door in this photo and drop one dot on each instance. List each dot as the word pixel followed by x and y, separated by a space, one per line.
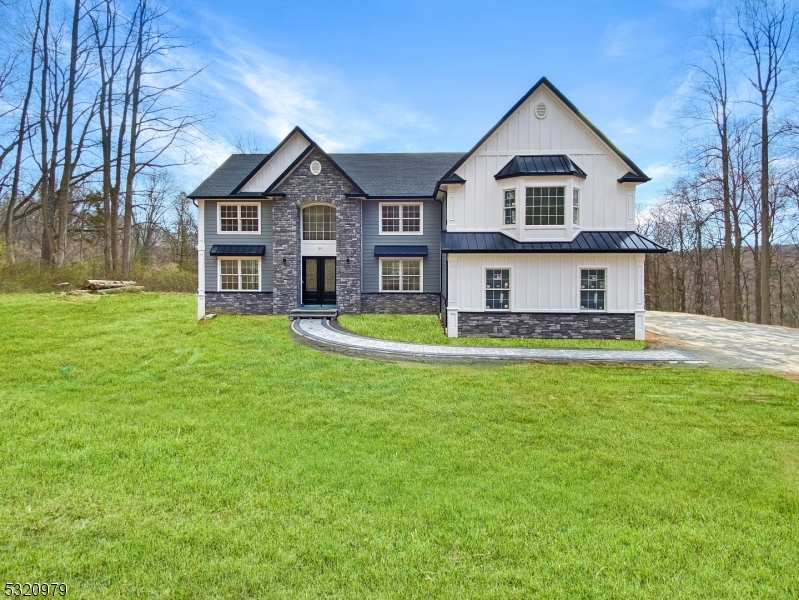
pixel 318 280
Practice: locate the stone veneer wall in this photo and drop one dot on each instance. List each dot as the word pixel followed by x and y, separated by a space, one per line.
pixel 419 304
pixel 242 303
pixel 548 325
pixel 301 188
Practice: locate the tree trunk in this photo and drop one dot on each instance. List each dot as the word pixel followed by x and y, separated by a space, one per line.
pixel 66 173
pixel 21 135
pixel 47 236
pixel 134 122
pixel 765 220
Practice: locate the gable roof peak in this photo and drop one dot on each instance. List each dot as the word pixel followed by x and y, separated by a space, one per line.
pixel 546 82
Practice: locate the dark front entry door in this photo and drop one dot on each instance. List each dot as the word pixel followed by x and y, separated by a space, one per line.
pixel 318 280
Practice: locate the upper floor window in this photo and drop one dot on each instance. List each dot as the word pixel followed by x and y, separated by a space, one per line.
pixel 240 218
pixel 319 222
pixel 576 206
pixel 510 207
pixel 544 206
pixel 401 218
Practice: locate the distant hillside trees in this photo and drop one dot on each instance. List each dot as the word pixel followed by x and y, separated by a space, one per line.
pixel 732 216
pixel 96 108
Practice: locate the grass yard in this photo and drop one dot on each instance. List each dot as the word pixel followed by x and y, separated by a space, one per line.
pixel 146 456
pixel 426 329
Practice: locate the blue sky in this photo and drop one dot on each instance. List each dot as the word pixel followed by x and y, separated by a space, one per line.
pixel 436 75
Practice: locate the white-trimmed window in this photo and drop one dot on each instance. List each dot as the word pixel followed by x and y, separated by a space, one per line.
pixel 576 206
pixel 497 289
pixel 400 274
pixel 593 289
pixel 244 217
pixel 509 207
pixel 239 274
pixel 544 206
pixel 319 222
pixel 401 219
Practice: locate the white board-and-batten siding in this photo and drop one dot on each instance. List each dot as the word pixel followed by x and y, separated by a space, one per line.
pixel 277 164
pixel 545 282
pixel 605 204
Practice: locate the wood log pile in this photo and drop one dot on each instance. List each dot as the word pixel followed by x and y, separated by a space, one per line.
pixel 107 286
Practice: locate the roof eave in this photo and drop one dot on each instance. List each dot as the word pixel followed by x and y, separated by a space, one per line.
pixel 633 178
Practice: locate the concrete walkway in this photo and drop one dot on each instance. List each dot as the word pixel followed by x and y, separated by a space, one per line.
pixel 321 334
pixel 727 343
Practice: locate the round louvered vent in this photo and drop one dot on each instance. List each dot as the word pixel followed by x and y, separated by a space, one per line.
pixel 316 167
pixel 541 110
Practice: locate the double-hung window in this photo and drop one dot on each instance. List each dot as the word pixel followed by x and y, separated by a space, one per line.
pixel 401 218
pixel 544 206
pixel 239 218
pixel 239 274
pixel 497 289
pixel 592 289
pixel 576 206
pixel 510 207
pixel 400 275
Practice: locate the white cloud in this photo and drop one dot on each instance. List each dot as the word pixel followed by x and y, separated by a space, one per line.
pixel 268 95
pixel 666 109
pixel 631 40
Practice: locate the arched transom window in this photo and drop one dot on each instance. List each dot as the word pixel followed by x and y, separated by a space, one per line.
pixel 319 222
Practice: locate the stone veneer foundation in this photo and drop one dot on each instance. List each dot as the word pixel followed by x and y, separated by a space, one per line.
pixel 418 304
pixel 302 188
pixel 241 303
pixel 548 325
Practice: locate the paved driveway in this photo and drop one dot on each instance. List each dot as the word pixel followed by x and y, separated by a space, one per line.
pixel 323 334
pixel 728 343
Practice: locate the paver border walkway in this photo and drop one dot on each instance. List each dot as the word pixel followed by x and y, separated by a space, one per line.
pixel 321 334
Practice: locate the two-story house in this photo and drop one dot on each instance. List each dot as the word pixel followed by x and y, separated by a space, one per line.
pixel 530 233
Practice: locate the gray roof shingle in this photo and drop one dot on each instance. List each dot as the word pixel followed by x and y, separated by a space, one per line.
pixel 397 174
pixel 386 174
pixel 229 174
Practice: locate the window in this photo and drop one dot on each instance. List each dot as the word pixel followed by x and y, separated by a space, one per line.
pixel 497 289
pixel 510 207
pixel 401 275
pixel 240 274
pixel 401 218
pixel 544 206
pixel 576 206
pixel 239 218
pixel 592 289
pixel 319 222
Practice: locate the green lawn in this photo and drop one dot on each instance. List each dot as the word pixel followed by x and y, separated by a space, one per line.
pixel 144 455
pixel 427 329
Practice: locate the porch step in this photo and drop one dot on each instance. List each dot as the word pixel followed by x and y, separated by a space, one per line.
pixel 313 312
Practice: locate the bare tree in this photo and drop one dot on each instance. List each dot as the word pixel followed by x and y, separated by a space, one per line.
pixel 767 26
pixel 713 90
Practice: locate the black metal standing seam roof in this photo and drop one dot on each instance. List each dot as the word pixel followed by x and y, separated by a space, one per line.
pixel 585 242
pixel 400 250
pixel 228 176
pixel 237 250
pixel 392 175
pixel 548 164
